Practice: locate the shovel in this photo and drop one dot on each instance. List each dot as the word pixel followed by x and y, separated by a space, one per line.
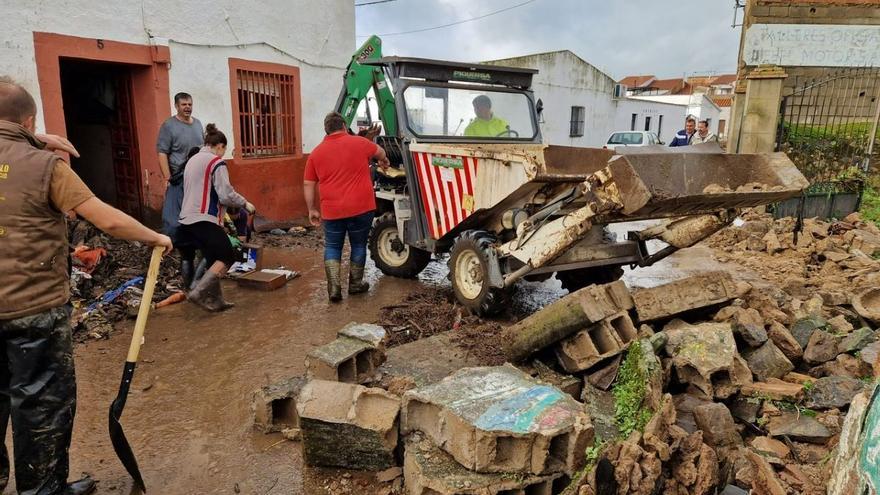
pixel 117 436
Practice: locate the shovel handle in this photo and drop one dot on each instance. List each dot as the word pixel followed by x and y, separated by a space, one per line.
pixel 140 324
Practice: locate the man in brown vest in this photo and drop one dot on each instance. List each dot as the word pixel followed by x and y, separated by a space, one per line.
pixel 37 383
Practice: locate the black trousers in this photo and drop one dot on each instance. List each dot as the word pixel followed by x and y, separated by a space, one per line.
pixel 38 393
pixel 210 239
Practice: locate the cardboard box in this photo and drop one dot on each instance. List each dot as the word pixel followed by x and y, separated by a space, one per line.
pixel 262 280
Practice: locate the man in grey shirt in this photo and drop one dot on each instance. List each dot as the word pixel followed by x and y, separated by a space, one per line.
pixel 177 136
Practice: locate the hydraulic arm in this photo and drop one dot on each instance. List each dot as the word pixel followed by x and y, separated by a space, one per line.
pixel 358 80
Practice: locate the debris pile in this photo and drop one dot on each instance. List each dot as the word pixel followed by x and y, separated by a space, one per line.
pixel 702 385
pixel 105 277
pixel 297 236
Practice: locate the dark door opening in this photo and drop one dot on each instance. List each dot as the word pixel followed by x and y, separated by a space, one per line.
pixel 99 116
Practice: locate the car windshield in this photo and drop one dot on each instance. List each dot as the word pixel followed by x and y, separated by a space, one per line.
pixel 625 138
pixel 468 112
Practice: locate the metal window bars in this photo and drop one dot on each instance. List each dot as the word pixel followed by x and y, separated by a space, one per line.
pixel 266 114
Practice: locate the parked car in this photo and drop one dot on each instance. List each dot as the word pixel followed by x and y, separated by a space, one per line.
pixel 632 138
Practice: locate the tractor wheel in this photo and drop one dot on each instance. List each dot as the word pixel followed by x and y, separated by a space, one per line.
pixel 469 273
pixel 573 280
pixel 391 255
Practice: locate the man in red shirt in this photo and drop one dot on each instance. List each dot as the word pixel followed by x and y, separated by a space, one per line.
pixel 341 165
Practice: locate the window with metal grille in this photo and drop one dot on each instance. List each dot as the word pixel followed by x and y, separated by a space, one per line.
pixel 577 122
pixel 266 113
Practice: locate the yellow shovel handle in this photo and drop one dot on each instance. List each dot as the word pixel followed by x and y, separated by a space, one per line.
pixel 140 324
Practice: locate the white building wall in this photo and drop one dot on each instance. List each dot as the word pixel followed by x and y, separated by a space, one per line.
pixel 564 80
pixel 697 105
pixel 315 35
pixel 673 117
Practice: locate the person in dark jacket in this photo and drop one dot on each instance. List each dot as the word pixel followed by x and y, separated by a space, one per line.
pixel 684 136
pixel 37 378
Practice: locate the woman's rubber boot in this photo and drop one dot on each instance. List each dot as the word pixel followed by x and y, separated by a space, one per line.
pixel 334 282
pixel 356 283
pixel 208 294
pixel 188 272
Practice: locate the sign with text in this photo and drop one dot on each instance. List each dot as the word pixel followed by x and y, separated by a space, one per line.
pixel 812 45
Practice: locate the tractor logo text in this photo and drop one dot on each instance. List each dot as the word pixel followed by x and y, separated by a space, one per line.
pixel 366 53
pixel 4 170
pixel 472 76
pixel 448 162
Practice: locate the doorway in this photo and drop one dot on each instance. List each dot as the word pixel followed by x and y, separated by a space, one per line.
pixel 98 113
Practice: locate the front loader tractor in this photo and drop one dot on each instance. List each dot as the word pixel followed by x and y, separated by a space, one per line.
pixel 471 177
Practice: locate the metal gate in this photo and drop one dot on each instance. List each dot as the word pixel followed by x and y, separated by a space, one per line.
pixel 828 127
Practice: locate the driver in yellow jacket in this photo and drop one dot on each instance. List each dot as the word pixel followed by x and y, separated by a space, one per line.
pixel 486 124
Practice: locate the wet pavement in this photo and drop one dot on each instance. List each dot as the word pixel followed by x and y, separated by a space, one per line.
pixel 189 416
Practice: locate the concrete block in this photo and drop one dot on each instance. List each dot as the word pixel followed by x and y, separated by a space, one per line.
pixel 348 426
pixel 572 385
pixel 691 293
pixel 602 340
pixel 367 332
pixel 601 301
pixel 499 419
pixel 706 357
pixel 346 359
pixel 274 406
pixel 430 471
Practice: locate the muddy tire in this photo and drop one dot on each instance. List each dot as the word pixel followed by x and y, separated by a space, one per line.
pixel 469 273
pixel 573 280
pixel 391 255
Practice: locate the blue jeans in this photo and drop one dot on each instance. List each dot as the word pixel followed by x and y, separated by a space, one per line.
pixel 358 230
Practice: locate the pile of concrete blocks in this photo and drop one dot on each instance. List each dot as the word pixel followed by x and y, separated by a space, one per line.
pixel 359 348
pixel 353 357
pixel 501 429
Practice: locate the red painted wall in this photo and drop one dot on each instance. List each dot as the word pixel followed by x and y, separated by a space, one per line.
pixel 274 186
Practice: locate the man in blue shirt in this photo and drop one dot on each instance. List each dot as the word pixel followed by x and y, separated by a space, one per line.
pixel 684 136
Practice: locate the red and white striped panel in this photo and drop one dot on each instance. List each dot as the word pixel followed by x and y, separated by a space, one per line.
pixel 447 192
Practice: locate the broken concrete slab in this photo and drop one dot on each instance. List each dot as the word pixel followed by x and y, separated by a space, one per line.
pixel 563 318
pixel 691 293
pixel 348 426
pixel 600 407
pixel 499 419
pixel 429 470
pixel 767 361
pixel 717 424
pixel 705 356
pixel 605 375
pixel 798 427
pixel 600 341
pixel 833 391
pixel 821 348
pixel 748 325
pixel 785 341
pixel 274 406
pixel 346 359
pixel 774 389
pixel 427 361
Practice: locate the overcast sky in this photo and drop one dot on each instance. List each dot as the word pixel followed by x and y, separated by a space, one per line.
pixel 667 38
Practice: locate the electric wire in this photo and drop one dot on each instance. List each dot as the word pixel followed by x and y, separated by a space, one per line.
pixel 456 23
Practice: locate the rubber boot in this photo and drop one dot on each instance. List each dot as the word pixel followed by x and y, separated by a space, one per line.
pixel 200 270
pixel 208 294
pixel 84 486
pixel 356 283
pixel 188 272
pixel 334 284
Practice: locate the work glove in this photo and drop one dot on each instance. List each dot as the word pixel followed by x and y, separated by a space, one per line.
pixel 250 207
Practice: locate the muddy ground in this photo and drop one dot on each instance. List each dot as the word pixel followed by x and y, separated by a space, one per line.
pixel 189 416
